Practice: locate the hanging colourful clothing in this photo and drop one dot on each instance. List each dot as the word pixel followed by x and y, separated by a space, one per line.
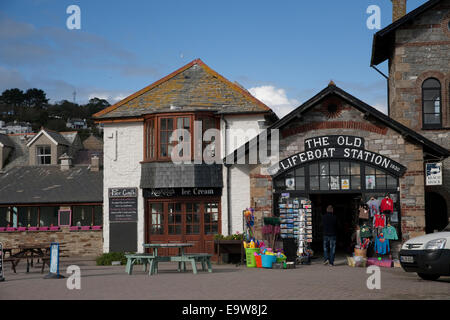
pixel 365 231
pixel 379 221
pixel 387 205
pixel 381 245
pixel 374 207
pixel 390 233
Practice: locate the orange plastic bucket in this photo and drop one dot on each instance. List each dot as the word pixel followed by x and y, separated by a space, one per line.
pixel 258 261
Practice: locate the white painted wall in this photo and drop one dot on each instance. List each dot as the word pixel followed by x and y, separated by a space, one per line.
pixel 122 169
pixel 240 173
pixel 123 152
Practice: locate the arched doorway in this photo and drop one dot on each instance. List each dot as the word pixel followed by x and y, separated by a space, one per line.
pixel 343 184
pixel 436 216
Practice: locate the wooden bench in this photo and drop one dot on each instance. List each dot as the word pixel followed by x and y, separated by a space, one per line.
pixel 193 258
pixel 146 259
pixel 14 262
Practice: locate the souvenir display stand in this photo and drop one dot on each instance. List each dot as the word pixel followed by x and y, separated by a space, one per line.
pixel 296 227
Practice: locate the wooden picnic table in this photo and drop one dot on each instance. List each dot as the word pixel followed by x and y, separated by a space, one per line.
pixel 154 258
pixel 39 251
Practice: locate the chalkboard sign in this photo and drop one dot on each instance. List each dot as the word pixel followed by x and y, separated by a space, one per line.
pixel 64 217
pixel 122 204
pixel 1 263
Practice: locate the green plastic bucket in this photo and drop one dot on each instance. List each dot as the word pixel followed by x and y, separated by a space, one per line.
pixel 250 257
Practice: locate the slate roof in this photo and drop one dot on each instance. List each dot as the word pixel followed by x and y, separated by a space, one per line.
pixel 170 175
pixel 333 90
pixel 383 40
pixel 48 184
pixel 191 88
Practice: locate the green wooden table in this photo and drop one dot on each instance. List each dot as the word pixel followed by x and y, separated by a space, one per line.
pixel 182 257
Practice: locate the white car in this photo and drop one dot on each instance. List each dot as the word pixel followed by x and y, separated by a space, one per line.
pixel 428 255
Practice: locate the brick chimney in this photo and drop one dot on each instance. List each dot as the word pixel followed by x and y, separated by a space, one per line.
pixel 398 9
pixel 95 163
pixel 66 162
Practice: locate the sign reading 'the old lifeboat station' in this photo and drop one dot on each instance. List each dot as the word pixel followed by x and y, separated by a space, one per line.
pixel 338 147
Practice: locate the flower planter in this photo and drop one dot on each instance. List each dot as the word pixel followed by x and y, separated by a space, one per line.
pixel 44 228
pixel 86 228
pixel 74 228
pixel 22 229
pixel 33 229
pixel 96 227
pixel 11 229
pixel 2 229
pixel 54 228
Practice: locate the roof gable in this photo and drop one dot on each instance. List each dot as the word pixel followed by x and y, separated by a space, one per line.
pixel 192 87
pixel 55 137
pixel 333 91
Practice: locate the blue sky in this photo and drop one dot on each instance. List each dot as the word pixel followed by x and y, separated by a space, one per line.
pixel 283 52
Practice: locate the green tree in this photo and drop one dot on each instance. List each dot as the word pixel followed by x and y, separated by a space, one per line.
pixel 35 98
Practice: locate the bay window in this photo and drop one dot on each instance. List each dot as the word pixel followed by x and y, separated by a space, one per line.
pixel 159 129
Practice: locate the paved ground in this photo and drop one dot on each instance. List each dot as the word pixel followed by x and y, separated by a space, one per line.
pixel 226 282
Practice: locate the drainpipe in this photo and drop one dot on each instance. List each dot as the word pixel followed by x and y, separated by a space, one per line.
pixel 388 93
pixel 228 166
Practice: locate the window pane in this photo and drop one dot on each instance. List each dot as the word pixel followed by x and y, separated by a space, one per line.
pixel 48 216
pixel 431 106
pixel 180 123
pixel 345 168
pixel 28 217
pixel 432 118
pixel 324 183
pixel 4 217
pixel 98 215
pixel 431 94
pixel 334 168
pixel 324 168
pixel 431 83
pixel 279 183
pixel 356 168
pixel 334 183
pixel 170 124
pixel 391 182
pixel 314 183
pixel 314 169
pixel 356 182
pixel 381 182
pixel 300 172
pixel 81 216
pixel 163 124
pixel 370 170
pixel 300 183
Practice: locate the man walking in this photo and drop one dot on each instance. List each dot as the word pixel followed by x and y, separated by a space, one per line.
pixel 329 221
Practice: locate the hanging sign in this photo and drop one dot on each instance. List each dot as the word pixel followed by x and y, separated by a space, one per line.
pixel 338 147
pixel 434 174
pixel 2 278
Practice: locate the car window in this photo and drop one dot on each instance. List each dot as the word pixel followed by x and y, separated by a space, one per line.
pixel 447 228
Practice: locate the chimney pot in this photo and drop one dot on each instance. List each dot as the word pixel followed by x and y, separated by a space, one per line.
pixel 398 9
pixel 66 162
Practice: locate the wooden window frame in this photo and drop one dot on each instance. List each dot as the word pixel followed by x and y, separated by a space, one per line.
pixel 40 156
pixel 428 125
pixel 157 133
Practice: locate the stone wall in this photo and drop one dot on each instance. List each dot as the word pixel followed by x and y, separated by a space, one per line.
pixel 422 51
pixel 78 243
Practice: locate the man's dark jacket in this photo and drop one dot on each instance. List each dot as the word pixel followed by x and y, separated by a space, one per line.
pixel 329 222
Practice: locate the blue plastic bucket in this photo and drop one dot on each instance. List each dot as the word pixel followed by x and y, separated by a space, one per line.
pixel 267 261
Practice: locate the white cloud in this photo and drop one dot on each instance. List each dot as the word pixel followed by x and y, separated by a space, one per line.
pixel 275 98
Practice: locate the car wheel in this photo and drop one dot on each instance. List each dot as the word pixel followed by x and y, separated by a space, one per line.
pixel 430 277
